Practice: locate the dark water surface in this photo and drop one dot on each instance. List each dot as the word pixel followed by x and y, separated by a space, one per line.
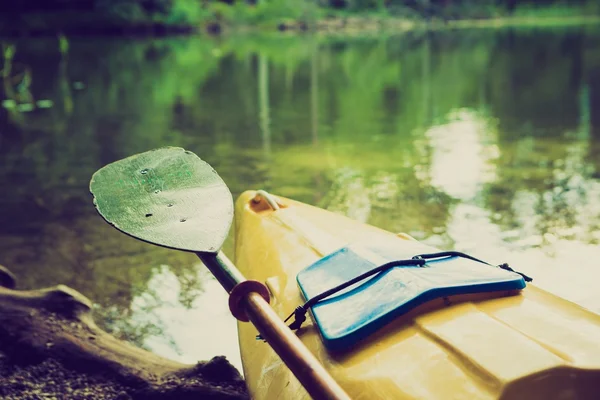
pixel 485 141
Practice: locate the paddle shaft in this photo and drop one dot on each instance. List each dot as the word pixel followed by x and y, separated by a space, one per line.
pixel 222 269
pixel 303 364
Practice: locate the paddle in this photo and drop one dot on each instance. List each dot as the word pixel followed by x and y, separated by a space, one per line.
pixel 170 197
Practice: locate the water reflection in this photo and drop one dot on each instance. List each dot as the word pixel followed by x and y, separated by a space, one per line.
pixel 485 141
pixel 194 326
pixel 463 154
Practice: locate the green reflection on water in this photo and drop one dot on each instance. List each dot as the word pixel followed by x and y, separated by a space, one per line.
pixel 485 141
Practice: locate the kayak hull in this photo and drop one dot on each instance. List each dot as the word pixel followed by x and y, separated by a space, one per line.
pixel 525 344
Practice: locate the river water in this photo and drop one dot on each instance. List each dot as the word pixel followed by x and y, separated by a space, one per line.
pixel 486 141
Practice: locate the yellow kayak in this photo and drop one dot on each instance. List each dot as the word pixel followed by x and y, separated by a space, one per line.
pixel 509 344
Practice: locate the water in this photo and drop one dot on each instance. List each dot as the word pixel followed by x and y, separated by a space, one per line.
pixel 486 141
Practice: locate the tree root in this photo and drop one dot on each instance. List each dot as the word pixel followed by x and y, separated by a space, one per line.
pixel 55 323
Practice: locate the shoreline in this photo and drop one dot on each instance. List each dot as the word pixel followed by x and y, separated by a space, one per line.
pixel 51 346
pixel 349 25
pixel 49 378
pixel 366 25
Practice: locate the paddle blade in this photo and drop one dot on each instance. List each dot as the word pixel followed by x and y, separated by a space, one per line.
pixel 168 197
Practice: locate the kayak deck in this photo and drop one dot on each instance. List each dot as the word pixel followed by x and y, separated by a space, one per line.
pixel 530 345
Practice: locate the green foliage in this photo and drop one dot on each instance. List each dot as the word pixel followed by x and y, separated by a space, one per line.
pixel 553 11
pixel 8 51
pixel 592 8
pixel 185 12
pixel 132 12
pixel 63 44
pixel 121 10
pixel 241 13
pixel 360 5
pixel 472 10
